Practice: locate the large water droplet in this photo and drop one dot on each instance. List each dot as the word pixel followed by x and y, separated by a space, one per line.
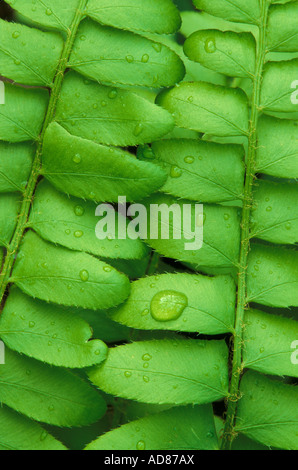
pixel 78 234
pixel 138 130
pixel 43 435
pixel 157 47
pixel 84 275
pixel 146 357
pixel 189 159
pixel 77 158
pixel 145 58
pixel 210 45
pixel 79 211
pixel 130 59
pixel 176 172
pixel 141 445
pixel 113 94
pixel 168 305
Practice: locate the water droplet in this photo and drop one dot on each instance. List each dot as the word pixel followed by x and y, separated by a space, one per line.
pixel 97 352
pixel 84 275
pixel 141 445
pixel 146 379
pixel 79 211
pixel 138 130
pixel 49 12
pixel 92 195
pixel 210 434
pixel 288 226
pixel 95 106
pixel 31 324
pixel 262 350
pixel 168 305
pixel 51 408
pixel 103 104
pixel 68 232
pixel 176 172
pixel 210 45
pixel 83 38
pixel 130 59
pixel 190 99
pixel 16 34
pixel 78 234
pixel 127 374
pixel 77 158
pixel 145 312
pixel 145 58
pixel 146 357
pixel 269 209
pixel 227 216
pixel 189 159
pixel 113 94
pixel 43 435
pixel 107 269
pixel 17 62
pixel 157 47
pixel 28 372
pixel 146 365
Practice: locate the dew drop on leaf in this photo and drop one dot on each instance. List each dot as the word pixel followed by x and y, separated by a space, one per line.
pixel 84 275
pixel 78 234
pixel 77 158
pixel 168 305
pixel 141 445
pixel 79 211
pixel 130 59
pixel 189 159
pixel 146 357
pixel 138 129
pixel 43 436
pixel 156 47
pixel 127 374
pixel 113 94
pixel 210 45
pixel 145 58
pixel 176 172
